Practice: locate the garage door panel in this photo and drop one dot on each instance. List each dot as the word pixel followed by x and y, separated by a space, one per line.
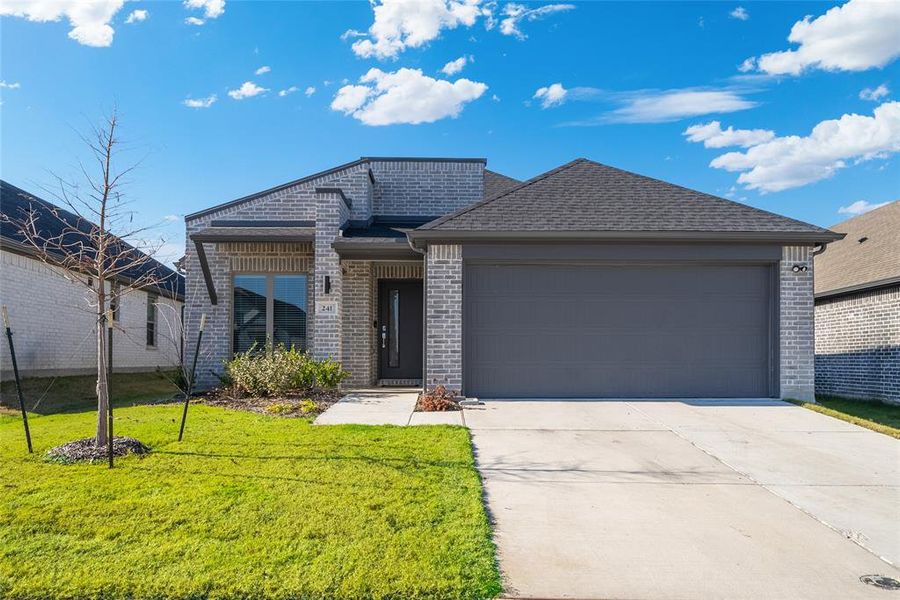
pixel 617 331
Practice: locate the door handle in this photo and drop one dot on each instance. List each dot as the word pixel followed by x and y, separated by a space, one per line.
pixel 384 336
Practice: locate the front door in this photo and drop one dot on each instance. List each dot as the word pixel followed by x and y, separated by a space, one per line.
pixel 400 329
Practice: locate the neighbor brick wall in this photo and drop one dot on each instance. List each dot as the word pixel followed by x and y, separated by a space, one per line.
pixel 54 326
pixel 858 345
pixel 443 285
pixel 797 317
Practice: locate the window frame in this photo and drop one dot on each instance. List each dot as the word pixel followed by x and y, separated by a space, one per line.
pixel 152 334
pixel 270 304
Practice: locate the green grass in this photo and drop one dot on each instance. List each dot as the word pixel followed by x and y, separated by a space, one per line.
pixel 77 393
pixel 883 418
pixel 248 506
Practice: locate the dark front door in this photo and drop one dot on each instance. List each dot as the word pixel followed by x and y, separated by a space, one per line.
pixel 400 329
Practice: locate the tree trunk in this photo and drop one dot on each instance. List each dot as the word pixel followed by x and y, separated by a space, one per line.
pixel 102 370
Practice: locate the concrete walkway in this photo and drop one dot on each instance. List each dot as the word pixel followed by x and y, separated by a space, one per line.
pixel 384 406
pixel 747 499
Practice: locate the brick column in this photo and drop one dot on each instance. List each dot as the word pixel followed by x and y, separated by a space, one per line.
pixel 797 325
pixel 331 213
pixel 444 316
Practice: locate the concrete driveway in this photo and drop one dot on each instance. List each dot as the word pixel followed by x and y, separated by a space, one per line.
pixel 687 499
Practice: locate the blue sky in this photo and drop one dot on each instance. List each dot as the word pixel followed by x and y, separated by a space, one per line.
pixel 622 82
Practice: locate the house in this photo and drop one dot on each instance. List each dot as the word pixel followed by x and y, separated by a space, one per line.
pixel 53 323
pixel 857 296
pixel 585 281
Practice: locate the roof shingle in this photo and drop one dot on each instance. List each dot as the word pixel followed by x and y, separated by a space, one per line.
pixel 585 196
pixel 850 263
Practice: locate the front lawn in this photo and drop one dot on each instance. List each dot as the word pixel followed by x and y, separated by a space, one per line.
pixel 77 393
pixel 883 418
pixel 248 506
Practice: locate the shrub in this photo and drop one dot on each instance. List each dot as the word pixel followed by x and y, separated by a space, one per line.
pixel 438 399
pixel 282 370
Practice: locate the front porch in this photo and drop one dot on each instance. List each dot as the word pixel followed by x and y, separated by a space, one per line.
pixel 381 322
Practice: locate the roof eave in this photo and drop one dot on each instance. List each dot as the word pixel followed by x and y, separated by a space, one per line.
pixel 855 289
pixel 421 237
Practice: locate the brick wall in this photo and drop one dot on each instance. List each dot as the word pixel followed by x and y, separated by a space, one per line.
pixel 797 347
pixel 54 325
pixel 358 334
pixel 858 345
pixel 426 188
pixel 444 316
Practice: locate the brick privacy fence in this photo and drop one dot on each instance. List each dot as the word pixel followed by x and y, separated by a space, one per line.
pixel 796 313
pixel 858 345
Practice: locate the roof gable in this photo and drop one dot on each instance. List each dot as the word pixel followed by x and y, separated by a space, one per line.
pixel 585 196
pixel 849 263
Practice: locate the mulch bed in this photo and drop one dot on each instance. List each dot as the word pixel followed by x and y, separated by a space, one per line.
pixel 439 399
pixel 308 404
pixel 86 451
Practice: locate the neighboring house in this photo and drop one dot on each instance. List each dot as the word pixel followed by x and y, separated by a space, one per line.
pixel 586 281
pixel 53 323
pixel 858 309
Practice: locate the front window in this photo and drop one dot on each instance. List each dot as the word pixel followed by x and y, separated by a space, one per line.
pixel 269 309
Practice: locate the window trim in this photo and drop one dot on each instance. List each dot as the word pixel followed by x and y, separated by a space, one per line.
pixel 152 299
pixel 270 304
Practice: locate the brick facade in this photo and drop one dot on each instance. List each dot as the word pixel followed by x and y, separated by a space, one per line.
pixel 443 289
pixel 401 187
pixel 858 345
pixel 796 314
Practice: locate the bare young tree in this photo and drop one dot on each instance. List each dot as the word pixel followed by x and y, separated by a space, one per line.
pixel 95 247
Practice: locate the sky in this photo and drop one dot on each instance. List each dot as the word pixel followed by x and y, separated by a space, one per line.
pixel 786 106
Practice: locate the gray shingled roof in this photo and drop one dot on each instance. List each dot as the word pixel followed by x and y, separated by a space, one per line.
pixel 585 196
pixel 495 183
pixel 850 263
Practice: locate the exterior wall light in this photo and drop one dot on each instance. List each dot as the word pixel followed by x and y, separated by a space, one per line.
pixel 327 284
pixel 799 268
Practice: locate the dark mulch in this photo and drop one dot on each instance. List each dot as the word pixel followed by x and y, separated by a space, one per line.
pixel 309 404
pixel 86 450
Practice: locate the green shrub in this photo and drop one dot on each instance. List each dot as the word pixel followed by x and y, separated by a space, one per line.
pixel 282 370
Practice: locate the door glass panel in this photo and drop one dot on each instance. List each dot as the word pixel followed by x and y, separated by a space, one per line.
pixel 394 329
pixel 249 312
pixel 289 311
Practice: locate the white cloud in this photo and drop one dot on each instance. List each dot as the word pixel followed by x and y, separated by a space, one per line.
pixel 856 36
pixel 793 161
pixel 136 16
pixel 405 96
pixel 10 86
pixel 171 218
pixel 713 136
pixel 874 94
pixel 212 9
pixel 671 105
pixel 514 14
pixel 290 90
pixel 402 24
pixel 248 89
pixel 551 95
pixel 309 91
pixel 200 102
pixel 748 65
pixel 455 66
pixel 739 13
pixel 859 207
pixel 263 70
pixel 194 21
pixel 89 20
pixel 495 97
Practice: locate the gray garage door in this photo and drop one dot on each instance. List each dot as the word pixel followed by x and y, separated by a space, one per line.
pixel 564 331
